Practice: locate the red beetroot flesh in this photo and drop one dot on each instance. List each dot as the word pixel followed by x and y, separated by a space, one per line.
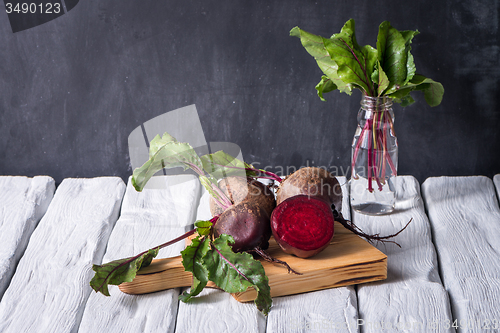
pixel 303 225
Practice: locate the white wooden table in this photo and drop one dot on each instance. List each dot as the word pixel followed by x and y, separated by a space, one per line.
pixel 444 278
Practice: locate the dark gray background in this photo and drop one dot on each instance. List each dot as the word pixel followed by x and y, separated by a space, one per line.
pixel 72 89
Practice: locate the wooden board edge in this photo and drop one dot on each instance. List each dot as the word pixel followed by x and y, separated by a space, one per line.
pixel 371 272
pixel 169 273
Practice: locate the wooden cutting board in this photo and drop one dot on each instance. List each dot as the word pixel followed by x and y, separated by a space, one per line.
pixel 346 261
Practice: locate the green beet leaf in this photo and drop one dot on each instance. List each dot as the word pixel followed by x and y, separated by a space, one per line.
pixel 355 64
pixel 196 287
pixel 203 227
pixel 166 152
pixel 235 272
pixel 433 91
pixel 392 54
pixel 192 262
pixel 315 46
pixel 324 86
pixel 380 79
pixel 406 100
pixel 158 142
pixel 119 271
pixel 410 63
pixel 220 165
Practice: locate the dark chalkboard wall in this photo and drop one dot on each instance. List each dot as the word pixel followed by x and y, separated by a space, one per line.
pixel 74 88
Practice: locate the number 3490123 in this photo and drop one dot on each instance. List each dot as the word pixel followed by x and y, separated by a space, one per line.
pixel 33 8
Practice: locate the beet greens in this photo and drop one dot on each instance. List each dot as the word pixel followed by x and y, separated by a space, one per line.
pixel 209 258
pixel 387 71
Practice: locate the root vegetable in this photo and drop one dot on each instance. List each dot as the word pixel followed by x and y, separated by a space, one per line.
pixel 318 183
pixel 247 223
pixel 313 182
pixel 208 258
pixel 303 225
pixel 239 189
pixel 247 220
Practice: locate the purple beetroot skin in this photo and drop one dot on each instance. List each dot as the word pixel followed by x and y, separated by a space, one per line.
pixel 247 223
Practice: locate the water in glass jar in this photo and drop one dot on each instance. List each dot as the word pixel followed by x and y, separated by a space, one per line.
pixel 382 198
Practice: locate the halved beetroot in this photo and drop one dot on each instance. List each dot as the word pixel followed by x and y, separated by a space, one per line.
pixel 303 225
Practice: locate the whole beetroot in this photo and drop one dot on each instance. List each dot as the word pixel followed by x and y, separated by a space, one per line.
pixel 239 189
pixel 312 182
pixel 247 223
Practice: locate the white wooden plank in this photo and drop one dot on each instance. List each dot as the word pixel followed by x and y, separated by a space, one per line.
pixel 23 202
pixel 50 286
pixel 465 219
pixel 217 311
pixel 330 310
pixel 148 219
pixel 412 298
pixel 496 181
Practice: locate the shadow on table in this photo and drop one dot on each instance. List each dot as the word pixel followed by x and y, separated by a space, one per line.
pixel 407 204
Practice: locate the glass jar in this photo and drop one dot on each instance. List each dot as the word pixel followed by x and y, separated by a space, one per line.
pixel 374 158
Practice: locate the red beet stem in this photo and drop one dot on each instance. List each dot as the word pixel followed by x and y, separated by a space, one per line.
pixel 370 157
pixel 389 159
pixel 384 145
pixel 269 174
pixel 356 150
